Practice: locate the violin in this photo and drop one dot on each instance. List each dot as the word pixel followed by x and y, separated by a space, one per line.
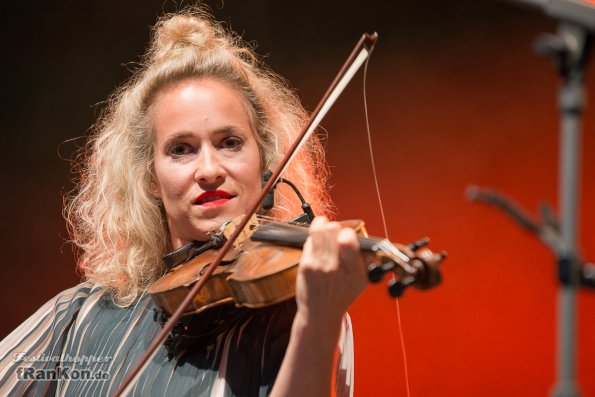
pixel 261 269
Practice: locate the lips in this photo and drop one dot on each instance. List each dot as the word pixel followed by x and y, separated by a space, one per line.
pixel 213 198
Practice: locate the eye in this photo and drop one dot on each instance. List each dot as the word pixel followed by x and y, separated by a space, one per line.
pixel 232 143
pixel 179 149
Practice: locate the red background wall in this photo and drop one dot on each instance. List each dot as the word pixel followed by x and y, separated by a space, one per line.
pixel 456 97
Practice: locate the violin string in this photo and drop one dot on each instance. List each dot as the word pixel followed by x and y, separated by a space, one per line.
pixel 266 219
pixel 388 247
pixel 401 337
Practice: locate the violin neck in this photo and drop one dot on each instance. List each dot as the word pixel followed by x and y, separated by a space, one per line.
pixel 295 236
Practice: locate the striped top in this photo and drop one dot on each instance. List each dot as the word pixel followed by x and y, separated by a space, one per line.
pixel 81 344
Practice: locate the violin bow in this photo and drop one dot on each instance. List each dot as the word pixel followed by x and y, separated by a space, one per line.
pixel 357 57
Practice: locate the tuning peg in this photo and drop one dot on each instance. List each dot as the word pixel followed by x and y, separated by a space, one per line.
pixel 376 272
pixel 418 244
pixel 396 288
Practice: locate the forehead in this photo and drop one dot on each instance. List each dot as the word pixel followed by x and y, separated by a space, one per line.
pixel 198 102
pixel 207 89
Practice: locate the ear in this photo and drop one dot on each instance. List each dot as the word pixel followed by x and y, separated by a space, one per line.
pixel 154 189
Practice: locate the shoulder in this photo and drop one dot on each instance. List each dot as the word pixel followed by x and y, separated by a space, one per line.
pixel 41 336
pixel 56 313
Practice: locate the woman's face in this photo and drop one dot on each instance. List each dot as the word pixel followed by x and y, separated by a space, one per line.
pixel 207 162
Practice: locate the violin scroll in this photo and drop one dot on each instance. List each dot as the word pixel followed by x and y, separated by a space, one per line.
pixel 419 268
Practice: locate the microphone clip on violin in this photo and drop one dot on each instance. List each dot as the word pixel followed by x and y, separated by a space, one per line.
pixel 269 200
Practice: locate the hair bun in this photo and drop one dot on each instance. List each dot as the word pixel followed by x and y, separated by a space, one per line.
pixel 183 31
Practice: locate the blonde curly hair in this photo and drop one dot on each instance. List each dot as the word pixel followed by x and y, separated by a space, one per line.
pixel 115 221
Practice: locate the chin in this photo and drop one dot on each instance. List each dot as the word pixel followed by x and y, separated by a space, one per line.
pixel 209 221
pixel 208 226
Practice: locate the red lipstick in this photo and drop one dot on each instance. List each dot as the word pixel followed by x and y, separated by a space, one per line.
pixel 213 198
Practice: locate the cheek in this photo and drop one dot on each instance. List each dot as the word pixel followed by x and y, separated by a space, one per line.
pixel 171 189
pixel 254 182
pixel 170 182
pixel 250 173
pixel 248 178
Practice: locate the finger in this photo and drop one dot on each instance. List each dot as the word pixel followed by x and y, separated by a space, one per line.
pixel 315 235
pixel 348 243
pixel 318 222
pixel 310 256
pixel 324 241
pixel 349 251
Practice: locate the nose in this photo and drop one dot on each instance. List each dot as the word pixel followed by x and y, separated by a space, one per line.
pixel 209 168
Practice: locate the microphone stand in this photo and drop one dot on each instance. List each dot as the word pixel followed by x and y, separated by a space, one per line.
pixel 569 48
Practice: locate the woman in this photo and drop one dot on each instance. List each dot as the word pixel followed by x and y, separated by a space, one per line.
pixel 180 150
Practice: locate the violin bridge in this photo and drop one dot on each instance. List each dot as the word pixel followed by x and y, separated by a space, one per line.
pixel 229 227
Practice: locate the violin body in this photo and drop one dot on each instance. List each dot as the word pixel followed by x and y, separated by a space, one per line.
pixel 260 275
pixel 170 290
pixel 261 270
pixel 255 274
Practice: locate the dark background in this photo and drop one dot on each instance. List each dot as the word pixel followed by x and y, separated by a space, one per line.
pixel 456 96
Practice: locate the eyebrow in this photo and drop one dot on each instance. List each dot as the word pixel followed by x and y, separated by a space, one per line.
pixel 229 129
pixel 221 131
pixel 179 135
